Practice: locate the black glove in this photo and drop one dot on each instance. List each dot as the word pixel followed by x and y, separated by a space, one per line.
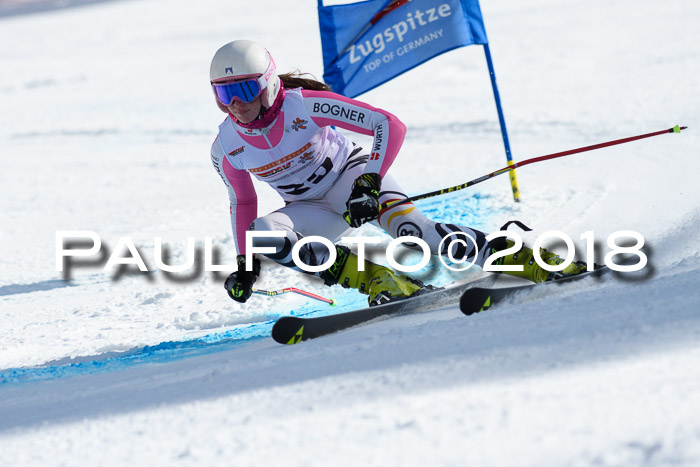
pixel 239 285
pixel 363 204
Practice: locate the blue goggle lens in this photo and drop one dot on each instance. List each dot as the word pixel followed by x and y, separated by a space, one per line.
pixel 245 91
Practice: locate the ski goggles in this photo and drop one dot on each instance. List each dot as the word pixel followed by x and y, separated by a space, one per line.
pixel 245 91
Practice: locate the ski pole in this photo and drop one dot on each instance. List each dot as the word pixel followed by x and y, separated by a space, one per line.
pixel 675 129
pixel 272 293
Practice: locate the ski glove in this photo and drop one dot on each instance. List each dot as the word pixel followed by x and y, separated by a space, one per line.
pixel 239 285
pixel 363 204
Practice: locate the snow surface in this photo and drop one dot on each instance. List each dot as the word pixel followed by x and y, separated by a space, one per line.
pixel 106 124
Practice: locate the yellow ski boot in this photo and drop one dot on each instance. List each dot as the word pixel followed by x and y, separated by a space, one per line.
pixel 380 283
pixel 531 270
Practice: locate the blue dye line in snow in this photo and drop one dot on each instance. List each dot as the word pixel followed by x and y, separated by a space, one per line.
pixel 457 208
pixel 15 289
pixel 163 352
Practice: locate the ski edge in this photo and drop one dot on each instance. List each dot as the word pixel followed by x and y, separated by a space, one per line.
pixel 479 299
pixel 302 328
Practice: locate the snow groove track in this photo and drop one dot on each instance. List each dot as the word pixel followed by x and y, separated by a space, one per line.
pixel 146 370
pixel 14 289
pixel 574 329
pixel 23 7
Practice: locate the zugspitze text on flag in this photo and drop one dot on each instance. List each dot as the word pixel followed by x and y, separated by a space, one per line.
pixel 368 43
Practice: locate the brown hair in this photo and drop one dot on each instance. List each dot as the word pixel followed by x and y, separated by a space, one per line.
pixel 297 79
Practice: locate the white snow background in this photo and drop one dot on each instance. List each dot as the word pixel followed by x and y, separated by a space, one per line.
pixel 105 125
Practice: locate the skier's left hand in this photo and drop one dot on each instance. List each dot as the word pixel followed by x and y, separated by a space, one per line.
pixel 363 204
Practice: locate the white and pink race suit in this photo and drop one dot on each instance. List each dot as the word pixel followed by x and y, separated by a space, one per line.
pixel 313 167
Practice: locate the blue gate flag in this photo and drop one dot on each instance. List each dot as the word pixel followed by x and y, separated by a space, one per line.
pixel 369 43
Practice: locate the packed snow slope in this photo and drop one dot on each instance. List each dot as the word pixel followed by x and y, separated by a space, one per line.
pixel 106 123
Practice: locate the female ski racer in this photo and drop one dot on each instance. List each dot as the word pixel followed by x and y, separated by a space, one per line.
pixel 281 129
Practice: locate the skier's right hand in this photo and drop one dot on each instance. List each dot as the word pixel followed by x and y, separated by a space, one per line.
pixel 363 204
pixel 239 285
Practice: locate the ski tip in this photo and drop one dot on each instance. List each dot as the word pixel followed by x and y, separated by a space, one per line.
pixel 288 330
pixel 475 300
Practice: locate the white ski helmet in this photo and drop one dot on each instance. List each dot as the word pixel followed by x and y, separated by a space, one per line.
pixel 247 59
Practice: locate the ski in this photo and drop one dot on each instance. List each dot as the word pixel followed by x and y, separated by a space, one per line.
pixel 478 299
pixel 294 329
